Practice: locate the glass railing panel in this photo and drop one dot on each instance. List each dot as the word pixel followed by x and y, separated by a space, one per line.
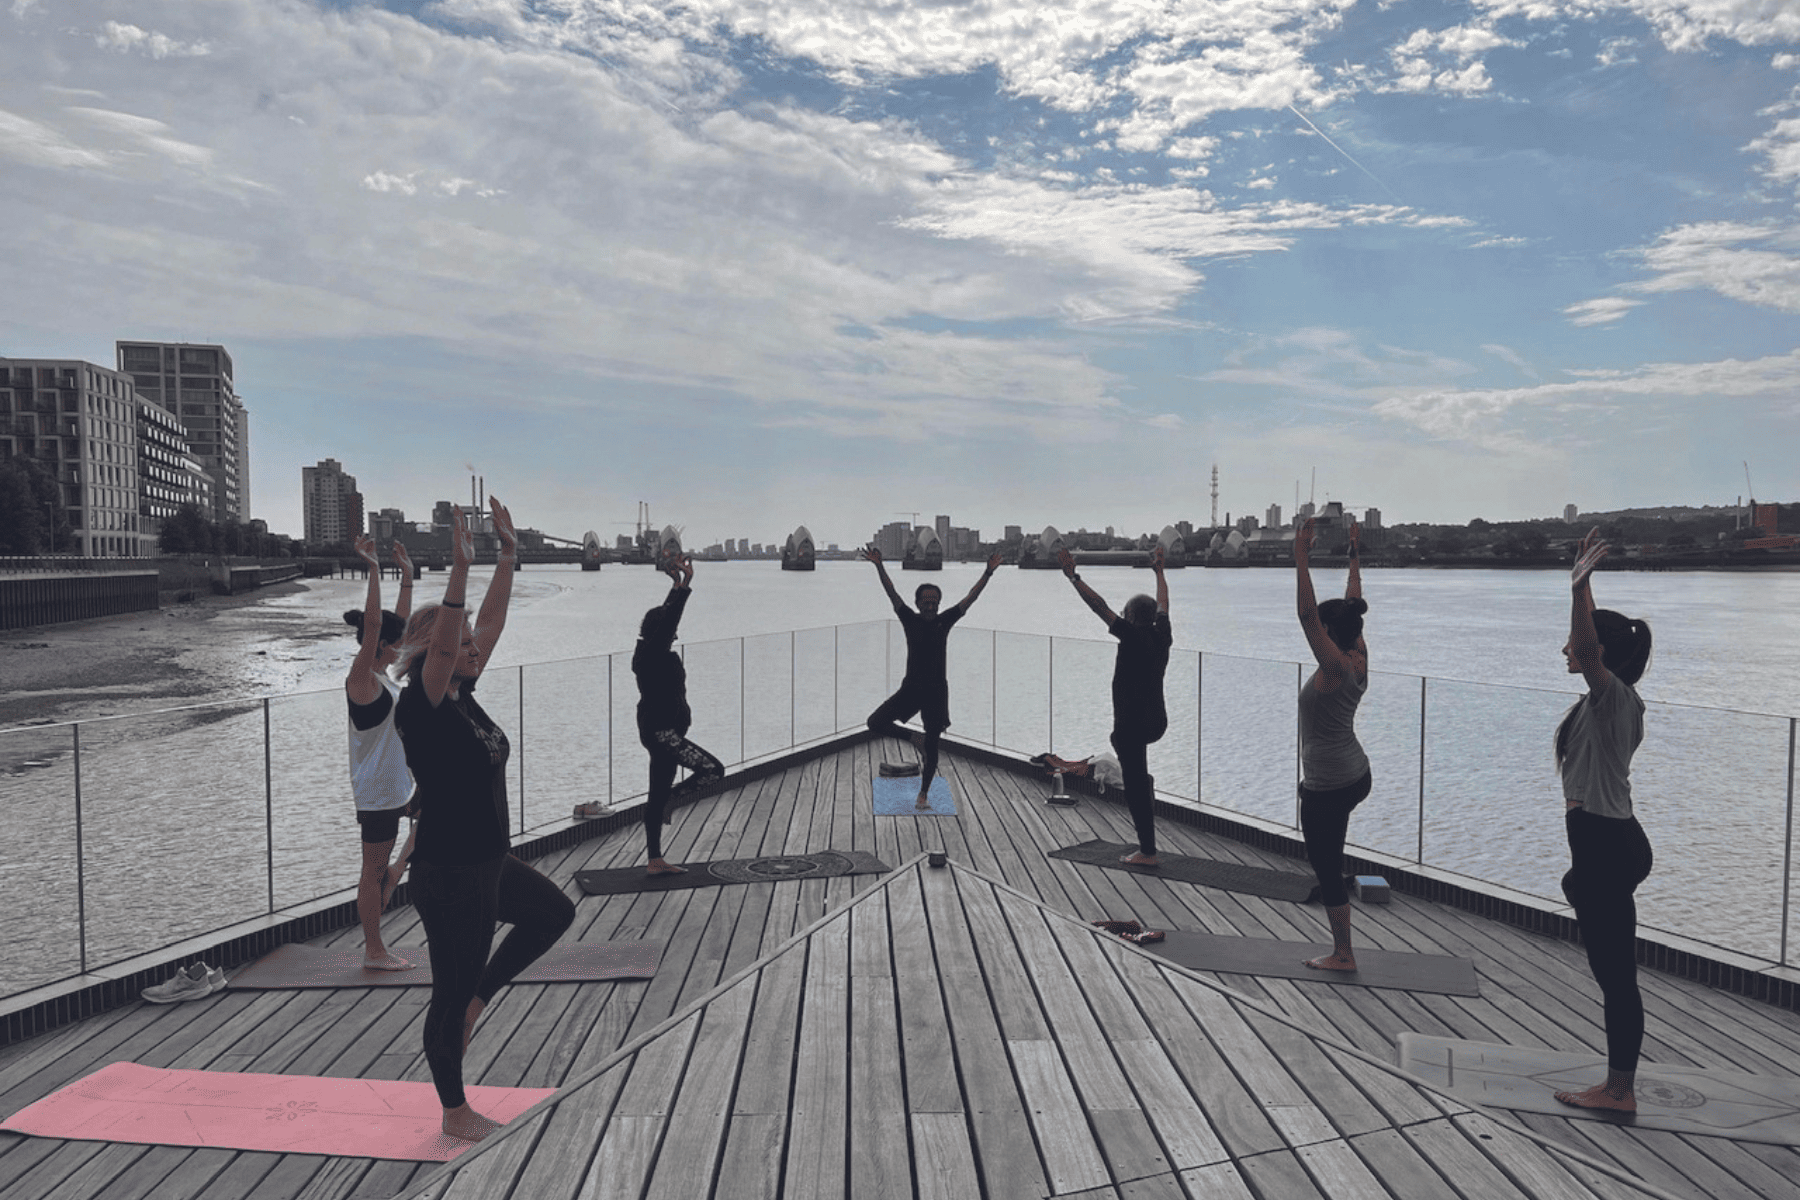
pixel 1493 802
pixel 174 829
pixel 42 936
pixel 971 675
pixel 316 838
pixel 1249 741
pixel 1022 682
pixel 1709 787
pixel 862 670
pixel 1079 673
pixel 1387 725
pixel 1172 761
pixel 716 692
pixel 769 713
pixel 567 736
pixel 816 702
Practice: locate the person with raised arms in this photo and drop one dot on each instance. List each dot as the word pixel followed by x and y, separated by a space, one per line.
pixel 379 780
pixel 663 716
pixel 1609 854
pixel 1140 718
pixel 925 689
pixel 464 881
pixel 1334 772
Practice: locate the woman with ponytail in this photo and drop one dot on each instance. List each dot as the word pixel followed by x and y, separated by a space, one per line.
pixel 1335 774
pixel 1609 852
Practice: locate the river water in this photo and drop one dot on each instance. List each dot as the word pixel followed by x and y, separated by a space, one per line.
pixel 193 818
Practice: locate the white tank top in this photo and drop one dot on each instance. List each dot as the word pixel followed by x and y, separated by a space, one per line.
pixel 378 774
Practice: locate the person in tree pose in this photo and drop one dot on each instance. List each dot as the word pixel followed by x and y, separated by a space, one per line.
pixel 1610 856
pixel 663 716
pixel 378 776
pixel 464 880
pixel 1139 716
pixel 1335 774
pixel 925 690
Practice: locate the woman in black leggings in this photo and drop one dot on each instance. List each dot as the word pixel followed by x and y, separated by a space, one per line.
pixel 663 715
pixel 463 879
pixel 1609 852
pixel 1335 774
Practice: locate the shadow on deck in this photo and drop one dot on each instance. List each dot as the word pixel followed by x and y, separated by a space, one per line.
pixel 957 1033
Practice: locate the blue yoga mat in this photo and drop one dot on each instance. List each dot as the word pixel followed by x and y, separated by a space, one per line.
pixel 895 797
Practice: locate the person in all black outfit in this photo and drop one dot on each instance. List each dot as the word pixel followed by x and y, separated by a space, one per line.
pixel 463 879
pixel 1139 715
pixel 663 715
pixel 925 689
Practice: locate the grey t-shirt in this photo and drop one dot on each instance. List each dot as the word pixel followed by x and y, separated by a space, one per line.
pixel 1330 755
pixel 1605 727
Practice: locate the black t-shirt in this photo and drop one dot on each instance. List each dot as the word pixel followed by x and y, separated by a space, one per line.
pixel 367 716
pixel 457 757
pixel 662 679
pixel 1137 684
pixel 927 643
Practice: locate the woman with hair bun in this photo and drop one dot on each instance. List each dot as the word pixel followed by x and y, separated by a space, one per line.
pixel 1610 856
pixel 1335 775
pixel 378 775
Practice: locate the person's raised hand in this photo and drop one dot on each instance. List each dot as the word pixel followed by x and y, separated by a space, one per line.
pixel 403 560
pixel 1588 554
pixel 503 526
pixel 462 542
pixel 1303 540
pixel 872 553
pixel 365 550
pixel 1066 561
pixel 994 561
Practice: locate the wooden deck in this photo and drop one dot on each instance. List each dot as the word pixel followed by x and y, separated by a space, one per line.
pixel 941 1033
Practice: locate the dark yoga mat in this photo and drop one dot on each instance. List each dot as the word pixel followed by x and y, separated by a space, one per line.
pixel 822 864
pixel 1439 973
pixel 297 965
pixel 1749 1108
pixel 1232 877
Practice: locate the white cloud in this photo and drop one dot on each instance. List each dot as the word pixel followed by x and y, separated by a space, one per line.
pixel 1679 24
pixel 37 145
pixel 1443 60
pixel 1600 311
pixel 1507 354
pixel 385 182
pixel 1616 52
pixel 1755 264
pixel 1781 148
pixel 1785 61
pixel 129 38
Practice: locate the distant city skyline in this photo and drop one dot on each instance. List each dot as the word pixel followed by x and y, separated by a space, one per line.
pixel 1023 264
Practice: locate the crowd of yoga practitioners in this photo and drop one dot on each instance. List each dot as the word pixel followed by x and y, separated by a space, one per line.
pixel 421 746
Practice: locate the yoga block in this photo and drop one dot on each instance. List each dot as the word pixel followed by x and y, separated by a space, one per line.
pixel 1371 889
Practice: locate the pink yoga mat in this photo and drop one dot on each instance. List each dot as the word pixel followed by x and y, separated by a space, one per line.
pixel 297 965
pixel 292 1114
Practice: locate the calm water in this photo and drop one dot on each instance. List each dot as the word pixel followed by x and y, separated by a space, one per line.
pixel 175 805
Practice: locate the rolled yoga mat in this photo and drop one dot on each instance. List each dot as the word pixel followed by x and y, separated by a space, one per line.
pixel 1437 973
pixel 297 965
pixel 899 797
pixel 1746 1108
pixel 823 864
pixel 282 1114
pixel 1231 877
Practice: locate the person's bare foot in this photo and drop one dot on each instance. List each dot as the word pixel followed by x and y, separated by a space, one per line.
pixel 1601 1095
pixel 467 1124
pixel 1331 962
pixel 659 866
pixel 1139 859
pixel 387 961
pixel 923 804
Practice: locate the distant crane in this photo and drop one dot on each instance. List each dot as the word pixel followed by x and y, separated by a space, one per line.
pixel 1215 498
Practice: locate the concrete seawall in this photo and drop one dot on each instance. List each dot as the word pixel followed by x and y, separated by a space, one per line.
pixel 48 599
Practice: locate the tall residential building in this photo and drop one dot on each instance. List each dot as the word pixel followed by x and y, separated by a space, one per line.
pixel 169 475
pixel 942 525
pixel 1014 533
pixel 1371 518
pixel 332 505
pixel 892 538
pixel 78 422
pixel 1272 518
pixel 195 383
pixel 1570 512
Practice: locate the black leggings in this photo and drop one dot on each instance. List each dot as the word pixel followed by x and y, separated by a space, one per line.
pixel 1325 823
pixel 1133 748
pixel 668 750
pixel 459 906
pixel 1610 858
pixel 934 713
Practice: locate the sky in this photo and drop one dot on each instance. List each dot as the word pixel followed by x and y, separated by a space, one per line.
pixel 835 262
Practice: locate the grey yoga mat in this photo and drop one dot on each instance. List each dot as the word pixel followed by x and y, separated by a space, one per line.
pixel 297 965
pixel 1438 973
pixel 819 864
pixel 1232 877
pixel 1747 1108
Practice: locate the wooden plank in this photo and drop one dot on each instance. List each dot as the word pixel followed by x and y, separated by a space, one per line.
pixel 1397 1098
pixel 48 1172
pixel 1399 1165
pixel 1280 1173
pixel 96 1176
pixel 1449 1149
pixel 695 1135
pixel 1340 1174
pixel 1009 987
pixel 880 1159
pixel 571 1134
pixel 1085 1047
pixel 1072 1156
pixel 765 1078
pixel 1173 1111
pixel 817 1131
pixel 751 1166
pixel 1221 1181
pixel 621 1165
pixel 1535 1170
pixel 944 1164
pixel 1318 1074
pixel 929 1061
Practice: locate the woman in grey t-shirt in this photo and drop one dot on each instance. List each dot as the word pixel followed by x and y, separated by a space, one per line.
pixel 1334 770
pixel 1610 856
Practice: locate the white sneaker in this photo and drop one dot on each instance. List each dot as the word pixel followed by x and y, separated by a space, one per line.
pixel 215 978
pixel 189 983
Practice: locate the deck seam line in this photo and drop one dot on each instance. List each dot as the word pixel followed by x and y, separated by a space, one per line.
pixel 418 1192
pixel 1549 1144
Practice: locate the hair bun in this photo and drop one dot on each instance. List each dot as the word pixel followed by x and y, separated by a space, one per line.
pixel 1357 606
pixel 353 618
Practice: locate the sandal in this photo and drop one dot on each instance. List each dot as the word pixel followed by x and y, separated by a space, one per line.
pixel 592 809
pixel 1144 938
pixel 1118 927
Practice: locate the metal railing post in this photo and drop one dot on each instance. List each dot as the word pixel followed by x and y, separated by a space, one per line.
pixel 837 722
pixel 993 687
pixel 793 691
pixel 741 715
pixel 1420 859
pixel 1050 699
pixel 269 802
pixel 1787 858
pixel 81 871
pixel 521 748
pixel 609 730
pixel 1199 723
pixel 1299 682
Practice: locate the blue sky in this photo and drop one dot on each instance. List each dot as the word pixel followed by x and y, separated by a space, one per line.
pixel 829 262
